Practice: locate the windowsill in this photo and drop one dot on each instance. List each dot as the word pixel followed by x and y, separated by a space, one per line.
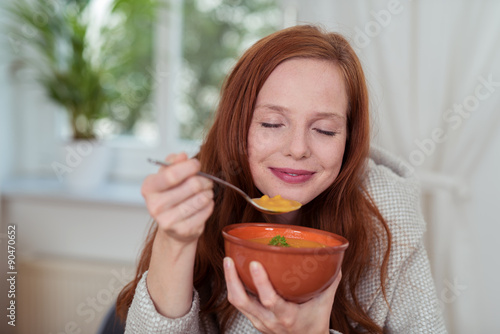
pixel 114 193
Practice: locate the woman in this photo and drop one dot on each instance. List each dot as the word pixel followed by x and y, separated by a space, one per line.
pixel 292 120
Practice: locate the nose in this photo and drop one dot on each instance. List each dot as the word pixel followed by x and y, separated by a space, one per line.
pixel 297 145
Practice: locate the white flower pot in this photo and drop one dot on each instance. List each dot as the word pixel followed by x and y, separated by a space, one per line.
pixel 84 164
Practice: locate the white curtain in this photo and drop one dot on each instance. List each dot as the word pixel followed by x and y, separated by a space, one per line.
pixel 433 69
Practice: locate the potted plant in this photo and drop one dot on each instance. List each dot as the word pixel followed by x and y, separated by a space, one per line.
pixel 80 66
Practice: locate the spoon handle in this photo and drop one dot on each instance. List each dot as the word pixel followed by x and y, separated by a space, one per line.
pixel 208 176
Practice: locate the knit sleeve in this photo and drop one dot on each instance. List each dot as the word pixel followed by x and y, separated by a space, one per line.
pixel 410 303
pixel 143 318
pixel 414 307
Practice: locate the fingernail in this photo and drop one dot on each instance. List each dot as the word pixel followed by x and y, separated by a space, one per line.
pixel 171 158
pixel 254 267
pixel 227 262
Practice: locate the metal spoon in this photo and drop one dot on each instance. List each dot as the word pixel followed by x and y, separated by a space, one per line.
pixel 238 190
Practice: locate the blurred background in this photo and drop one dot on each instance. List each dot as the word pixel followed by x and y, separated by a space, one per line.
pixel 91 88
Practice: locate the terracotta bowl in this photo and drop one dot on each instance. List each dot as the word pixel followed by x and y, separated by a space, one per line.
pixel 297 274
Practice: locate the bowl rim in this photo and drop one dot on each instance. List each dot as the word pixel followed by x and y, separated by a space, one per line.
pixel 278 249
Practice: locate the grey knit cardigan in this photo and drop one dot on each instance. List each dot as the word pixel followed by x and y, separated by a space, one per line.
pixel 410 290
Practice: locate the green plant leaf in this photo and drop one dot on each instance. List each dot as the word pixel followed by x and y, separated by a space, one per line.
pixel 53 39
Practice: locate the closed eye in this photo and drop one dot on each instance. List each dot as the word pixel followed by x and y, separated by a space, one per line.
pixel 326 133
pixel 271 125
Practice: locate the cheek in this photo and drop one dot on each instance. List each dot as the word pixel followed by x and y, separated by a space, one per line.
pixel 332 161
pixel 255 148
pixel 260 143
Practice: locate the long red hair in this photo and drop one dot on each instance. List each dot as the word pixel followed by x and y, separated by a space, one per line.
pixel 344 208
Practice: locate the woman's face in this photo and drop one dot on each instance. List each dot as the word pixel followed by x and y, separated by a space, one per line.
pixel 298 132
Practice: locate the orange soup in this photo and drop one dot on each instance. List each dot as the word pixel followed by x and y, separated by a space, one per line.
pixel 277 203
pixel 294 243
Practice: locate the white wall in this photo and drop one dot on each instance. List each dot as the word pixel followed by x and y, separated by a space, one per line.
pixel 71 250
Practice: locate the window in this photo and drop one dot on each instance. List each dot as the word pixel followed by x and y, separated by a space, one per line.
pixel 215 34
pixel 174 58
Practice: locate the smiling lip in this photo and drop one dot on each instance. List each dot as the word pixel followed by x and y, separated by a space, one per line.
pixel 292 175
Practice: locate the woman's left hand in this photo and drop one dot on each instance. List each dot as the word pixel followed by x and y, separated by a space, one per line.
pixel 272 314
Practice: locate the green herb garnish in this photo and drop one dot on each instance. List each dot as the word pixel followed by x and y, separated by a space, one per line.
pixel 279 241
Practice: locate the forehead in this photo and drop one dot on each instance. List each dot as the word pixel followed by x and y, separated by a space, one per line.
pixel 305 83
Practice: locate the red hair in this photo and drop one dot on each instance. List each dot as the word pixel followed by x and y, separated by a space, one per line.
pixel 344 208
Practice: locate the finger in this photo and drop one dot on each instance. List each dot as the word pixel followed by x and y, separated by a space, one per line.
pixel 175 158
pixel 176 173
pixel 329 293
pixel 324 301
pixel 280 313
pixel 237 295
pixel 267 294
pixel 185 210
pixel 192 227
pixel 171 176
pixel 192 205
pixel 159 202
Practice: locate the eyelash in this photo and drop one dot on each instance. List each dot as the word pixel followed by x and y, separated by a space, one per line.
pixel 270 125
pixel 275 126
pixel 326 133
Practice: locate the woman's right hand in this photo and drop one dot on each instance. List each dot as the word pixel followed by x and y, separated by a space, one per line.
pixel 179 200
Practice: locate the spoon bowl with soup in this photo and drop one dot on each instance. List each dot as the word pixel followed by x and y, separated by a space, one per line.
pixel 265 204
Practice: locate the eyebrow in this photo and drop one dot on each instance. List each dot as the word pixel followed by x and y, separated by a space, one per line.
pixel 274 107
pixel 282 110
